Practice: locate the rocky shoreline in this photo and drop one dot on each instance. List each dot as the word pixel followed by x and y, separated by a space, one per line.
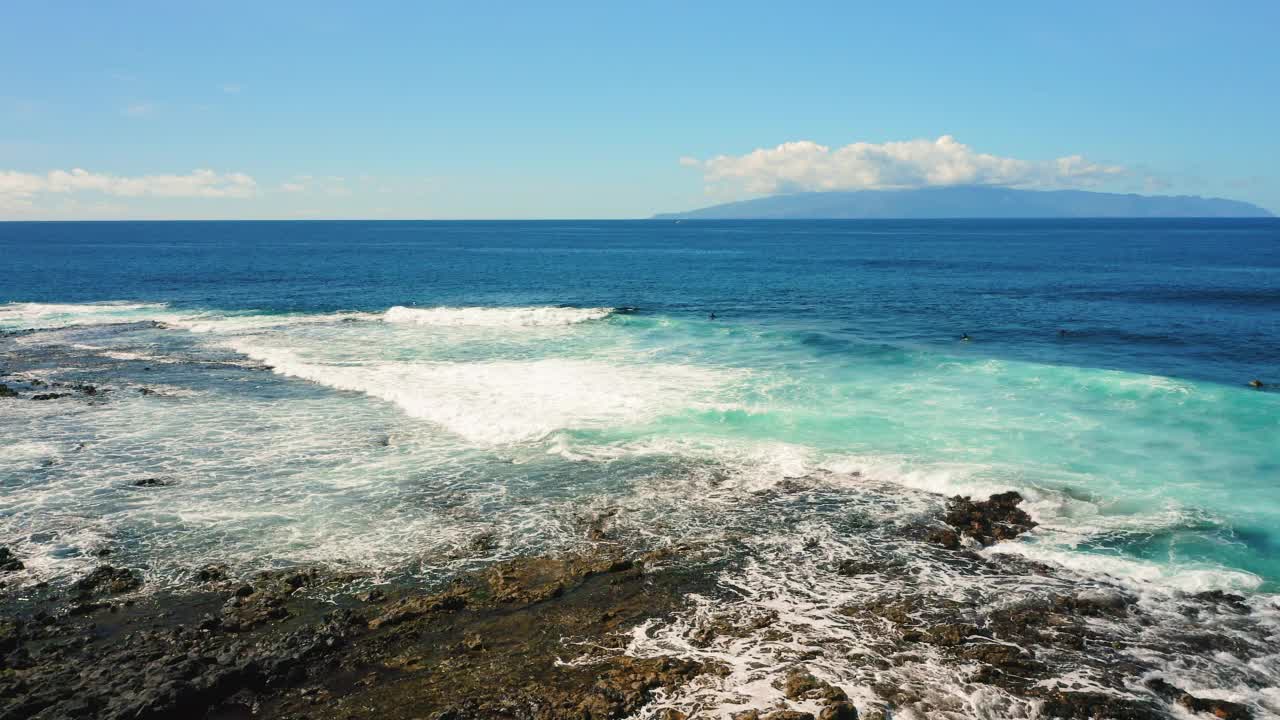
pixel 543 637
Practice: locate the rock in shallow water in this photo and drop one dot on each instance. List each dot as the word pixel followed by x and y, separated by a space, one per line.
pixel 9 562
pixel 987 521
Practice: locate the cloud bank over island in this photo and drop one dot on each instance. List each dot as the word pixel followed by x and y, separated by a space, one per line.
pixel 806 166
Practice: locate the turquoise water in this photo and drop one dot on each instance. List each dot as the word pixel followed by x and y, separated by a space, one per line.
pixel 376 396
pixel 836 347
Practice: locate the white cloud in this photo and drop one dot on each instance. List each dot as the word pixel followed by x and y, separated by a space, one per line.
pixel 138 110
pixel 805 165
pixel 20 190
pixel 331 185
pixel 232 88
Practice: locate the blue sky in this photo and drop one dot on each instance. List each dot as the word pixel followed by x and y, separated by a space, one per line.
pixel 524 110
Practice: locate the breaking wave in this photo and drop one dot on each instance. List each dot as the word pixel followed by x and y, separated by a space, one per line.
pixel 495 316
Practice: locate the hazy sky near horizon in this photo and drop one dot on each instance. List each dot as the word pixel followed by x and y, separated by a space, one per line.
pixel 531 110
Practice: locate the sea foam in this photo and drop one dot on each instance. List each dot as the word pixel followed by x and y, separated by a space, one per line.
pixel 498 402
pixel 495 316
pixel 28 315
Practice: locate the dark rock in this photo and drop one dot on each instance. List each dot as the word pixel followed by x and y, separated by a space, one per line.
pixel 417 606
pixel 1219 598
pixel 1095 706
pixel 988 521
pixel 9 562
pixel 484 542
pixel 801 685
pixel 6 391
pixel 1095 603
pixel 211 573
pixel 951 634
pixel 947 538
pixel 108 580
pixel 49 396
pixel 842 710
pixel 152 482
pixel 1217 708
pixel 11 635
pixel 851 568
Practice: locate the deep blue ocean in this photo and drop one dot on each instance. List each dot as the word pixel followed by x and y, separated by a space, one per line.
pixel 373 394
pixel 1187 298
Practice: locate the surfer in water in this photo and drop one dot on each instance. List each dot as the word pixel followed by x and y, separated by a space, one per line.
pixel 712 316
pixel 965 338
pixel 1257 384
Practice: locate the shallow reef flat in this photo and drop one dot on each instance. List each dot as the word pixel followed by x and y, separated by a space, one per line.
pixel 577 636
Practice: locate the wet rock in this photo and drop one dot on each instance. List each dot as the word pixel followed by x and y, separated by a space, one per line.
pixel 530 580
pixel 49 396
pixel 211 573
pixel 1233 602
pixel 473 642
pixel 107 580
pixel 951 634
pixel 988 521
pixel 1096 603
pixel 1217 708
pixel 842 710
pixel 11 635
pixel 853 568
pixel 153 482
pixel 1095 706
pixel 483 543
pixel 628 684
pixel 414 607
pixel 266 599
pixel 732 625
pixel 598 524
pixel 788 715
pixel 947 538
pixel 801 685
pixel 8 392
pixel 9 562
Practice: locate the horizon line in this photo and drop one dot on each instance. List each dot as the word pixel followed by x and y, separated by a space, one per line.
pixel 672 220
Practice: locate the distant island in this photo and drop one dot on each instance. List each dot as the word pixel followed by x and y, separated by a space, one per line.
pixel 969 202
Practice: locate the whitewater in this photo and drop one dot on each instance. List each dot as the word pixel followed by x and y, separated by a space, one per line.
pixel 384 438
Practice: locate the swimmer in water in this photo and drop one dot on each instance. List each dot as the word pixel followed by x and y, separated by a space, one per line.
pixel 965 338
pixel 1257 384
pixel 712 316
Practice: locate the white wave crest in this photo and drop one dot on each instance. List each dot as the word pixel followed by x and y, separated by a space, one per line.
pixel 210 323
pixel 29 315
pixel 505 401
pixel 494 316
